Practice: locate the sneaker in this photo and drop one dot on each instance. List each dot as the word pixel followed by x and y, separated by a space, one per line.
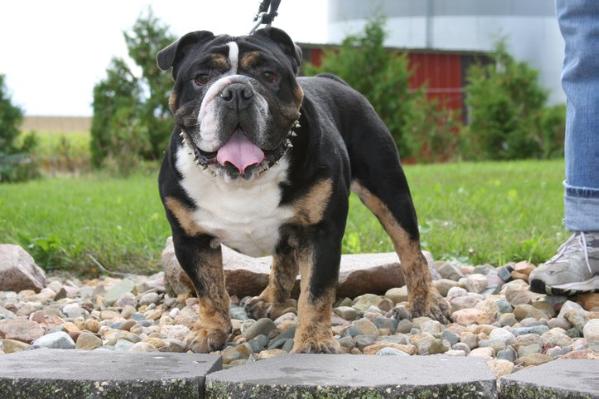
pixel 574 269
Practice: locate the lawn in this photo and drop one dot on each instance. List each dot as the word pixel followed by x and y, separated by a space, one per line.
pixel 478 212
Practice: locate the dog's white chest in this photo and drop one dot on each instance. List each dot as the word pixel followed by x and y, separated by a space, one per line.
pixel 244 215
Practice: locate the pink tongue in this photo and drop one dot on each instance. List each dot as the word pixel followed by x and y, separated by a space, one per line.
pixel 240 152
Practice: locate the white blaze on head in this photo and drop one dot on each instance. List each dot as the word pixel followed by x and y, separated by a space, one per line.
pixel 233 56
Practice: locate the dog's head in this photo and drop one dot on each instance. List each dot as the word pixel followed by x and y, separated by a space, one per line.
pixel 236 99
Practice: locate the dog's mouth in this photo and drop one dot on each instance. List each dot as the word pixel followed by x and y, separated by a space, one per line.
pixel 239 157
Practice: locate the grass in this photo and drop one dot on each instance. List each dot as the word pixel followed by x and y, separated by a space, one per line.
pixel 478 212
pixel 62 221
pixel 491 212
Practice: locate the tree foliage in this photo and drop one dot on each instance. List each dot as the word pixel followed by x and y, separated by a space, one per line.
pixel 16 163
pixel 417 125
pixel 131 116
pixel 509 118
pixel 11 117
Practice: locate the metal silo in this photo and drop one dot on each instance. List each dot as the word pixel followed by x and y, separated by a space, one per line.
pixel 463 26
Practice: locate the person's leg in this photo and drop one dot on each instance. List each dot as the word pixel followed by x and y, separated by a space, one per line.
pixel 579 23
pixel 577 260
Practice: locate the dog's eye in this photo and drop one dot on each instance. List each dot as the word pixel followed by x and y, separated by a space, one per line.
pixel 269 76
pixel 201 79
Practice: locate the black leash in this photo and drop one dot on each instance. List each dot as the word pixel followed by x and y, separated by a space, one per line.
pixel 267 11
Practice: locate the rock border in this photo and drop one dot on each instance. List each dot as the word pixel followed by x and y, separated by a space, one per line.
pixel 53 373
pixel 351 376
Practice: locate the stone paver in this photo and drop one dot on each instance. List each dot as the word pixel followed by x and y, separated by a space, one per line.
pixel 567 379
pixel 350 376
pixel 64 374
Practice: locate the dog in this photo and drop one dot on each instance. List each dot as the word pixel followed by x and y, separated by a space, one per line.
pixel 264 161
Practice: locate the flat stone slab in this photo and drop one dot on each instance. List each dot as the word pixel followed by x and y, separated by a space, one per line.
pixel 352 376
pixel 55 373
pixel 568 379
pixel 359 274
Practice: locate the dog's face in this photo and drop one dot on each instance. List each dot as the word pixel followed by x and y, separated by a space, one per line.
pixel 235 99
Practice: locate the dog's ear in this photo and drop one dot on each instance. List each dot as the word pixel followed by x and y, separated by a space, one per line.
pixel 169 56
pixel 283 40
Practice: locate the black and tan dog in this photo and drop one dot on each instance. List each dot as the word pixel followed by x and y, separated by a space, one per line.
pixel 263 161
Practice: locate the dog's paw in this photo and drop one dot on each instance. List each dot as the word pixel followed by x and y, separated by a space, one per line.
pixel 436 308
pixel 316 345
pixel 258 308
pixel 204 340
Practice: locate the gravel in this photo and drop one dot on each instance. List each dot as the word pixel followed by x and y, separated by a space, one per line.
pixel 504 323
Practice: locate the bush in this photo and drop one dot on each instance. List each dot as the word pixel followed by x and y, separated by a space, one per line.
pixel 16 162
pixel 553 129
pixel 416 125
pixel 432 132
pixel 131 117
pixel 508 118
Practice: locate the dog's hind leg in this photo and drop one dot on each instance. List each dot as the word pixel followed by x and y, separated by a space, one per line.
pixel 381 184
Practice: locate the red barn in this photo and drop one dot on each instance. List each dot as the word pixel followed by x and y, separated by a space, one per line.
pixel 443 73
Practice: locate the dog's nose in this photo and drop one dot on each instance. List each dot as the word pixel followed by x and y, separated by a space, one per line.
pixel 237 96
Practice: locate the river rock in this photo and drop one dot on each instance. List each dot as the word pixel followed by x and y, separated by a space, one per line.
pixel 13 346
pixel 18 270
pixel 469 316
pixel 476 283
pixel 500 367
pixel 363 327
pixel 260 327
pixel 525 311
pixel 591 334
pixel 397 294
pixel 55 340
pixel 450 271
pixel 467 301
pixel 149 298
pixel 20 330
pixel 346 312
pixel 444 285
pixel 88 341
pixel 119 288
pixel 485 353
pixel 555 337
pixel 364 302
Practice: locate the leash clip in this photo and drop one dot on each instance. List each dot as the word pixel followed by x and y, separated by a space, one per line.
pixel 267 11
pixel 260 18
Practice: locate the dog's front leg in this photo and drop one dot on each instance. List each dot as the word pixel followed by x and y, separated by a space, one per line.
pixel 204 266
pixel 275 298
pixel 319 269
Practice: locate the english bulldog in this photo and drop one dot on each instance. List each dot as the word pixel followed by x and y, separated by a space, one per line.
pixel 263 161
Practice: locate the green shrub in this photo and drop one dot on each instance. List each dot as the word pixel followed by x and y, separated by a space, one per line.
pixel 16 162
pixel 553 128
pixel 383 77
pixel 131 117
pixel 432 132
pixel 508 118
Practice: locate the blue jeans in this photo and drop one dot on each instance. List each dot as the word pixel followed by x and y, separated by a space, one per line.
pixel 579 24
